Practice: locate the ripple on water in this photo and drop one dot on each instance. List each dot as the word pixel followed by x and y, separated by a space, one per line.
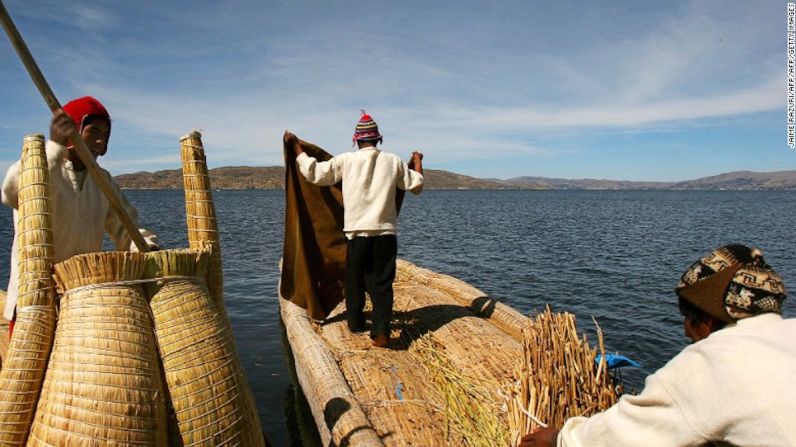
pixel 614 255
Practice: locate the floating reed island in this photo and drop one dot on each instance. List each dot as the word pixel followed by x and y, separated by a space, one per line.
pixel 462 369
pixel 121 348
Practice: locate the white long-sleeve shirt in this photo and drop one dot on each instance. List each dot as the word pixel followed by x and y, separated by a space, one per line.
pixel 81 215
pixel 736 387
pixel 369 177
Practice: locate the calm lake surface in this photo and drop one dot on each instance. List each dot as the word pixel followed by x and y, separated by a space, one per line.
pixel 614 255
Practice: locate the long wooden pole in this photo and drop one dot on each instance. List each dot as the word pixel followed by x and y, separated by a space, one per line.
pixel 80 146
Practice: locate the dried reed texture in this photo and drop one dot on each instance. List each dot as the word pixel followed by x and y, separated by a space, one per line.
pixel 470 407
pixel 200 211
pixel 209 392
pixel 557 377
pixel 103 384
pixel 3 331
pixel 337 412
pixel 498 313
pixel 399 398
pixel 25 362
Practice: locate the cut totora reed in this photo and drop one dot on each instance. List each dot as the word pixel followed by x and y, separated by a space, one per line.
pixel 471 409
pixel 557 377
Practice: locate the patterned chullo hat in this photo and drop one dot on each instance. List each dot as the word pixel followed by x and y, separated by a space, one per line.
pixel 367 129
pixel 731 283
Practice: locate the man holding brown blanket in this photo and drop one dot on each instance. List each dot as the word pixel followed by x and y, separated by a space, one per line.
pixel 370 178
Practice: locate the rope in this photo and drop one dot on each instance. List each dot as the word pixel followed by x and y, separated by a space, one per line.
pixel 132 282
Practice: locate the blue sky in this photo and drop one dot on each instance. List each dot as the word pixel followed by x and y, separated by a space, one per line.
pixel 621 90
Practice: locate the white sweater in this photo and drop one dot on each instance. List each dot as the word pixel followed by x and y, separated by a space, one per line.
pixel 81 215
pixel 369 177
pixel 735 387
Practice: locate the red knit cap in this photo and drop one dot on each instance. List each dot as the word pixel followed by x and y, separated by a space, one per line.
pixel 81 108
pixel 367 129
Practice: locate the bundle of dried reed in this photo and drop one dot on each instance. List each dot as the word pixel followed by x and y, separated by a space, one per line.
pixel 557 377
pixel 200 211
pixel 211 398
pixel 3 331
pixel 26 360
pixel 337 411
pixel 472 411
pixel 103 384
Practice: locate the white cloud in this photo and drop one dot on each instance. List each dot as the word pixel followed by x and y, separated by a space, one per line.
pixel 474 87
pixel 243 130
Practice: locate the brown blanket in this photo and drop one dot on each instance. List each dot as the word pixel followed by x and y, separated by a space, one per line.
pixel 313 257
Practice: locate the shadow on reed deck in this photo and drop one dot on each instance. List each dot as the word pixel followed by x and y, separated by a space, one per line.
pixel 366 396
pixel 461 369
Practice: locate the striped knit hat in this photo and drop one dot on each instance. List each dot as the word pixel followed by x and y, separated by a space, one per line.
pixel 731 283
pixel 367 129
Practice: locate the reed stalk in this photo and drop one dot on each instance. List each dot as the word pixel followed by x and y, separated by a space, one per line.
pixel 557 377
pixel 472 412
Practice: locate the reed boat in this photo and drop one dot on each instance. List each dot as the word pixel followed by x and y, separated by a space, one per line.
pixel 461 367
pixel 362 395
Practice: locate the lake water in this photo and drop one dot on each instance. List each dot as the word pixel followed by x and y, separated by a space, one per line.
pixel 614 255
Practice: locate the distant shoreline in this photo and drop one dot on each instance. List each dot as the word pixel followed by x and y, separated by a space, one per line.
pixel 264 178
pixel 504 189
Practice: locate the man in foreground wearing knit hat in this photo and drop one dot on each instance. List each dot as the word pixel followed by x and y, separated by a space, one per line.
pixel 733 386
pixel 370 178
pixel 81 213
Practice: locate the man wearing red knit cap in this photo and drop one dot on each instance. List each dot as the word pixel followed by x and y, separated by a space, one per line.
pixel 81 213
pixel 370 178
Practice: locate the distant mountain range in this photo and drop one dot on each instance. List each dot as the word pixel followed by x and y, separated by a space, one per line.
pixel 245 177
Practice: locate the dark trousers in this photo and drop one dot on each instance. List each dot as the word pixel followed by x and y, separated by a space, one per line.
pixel 370 266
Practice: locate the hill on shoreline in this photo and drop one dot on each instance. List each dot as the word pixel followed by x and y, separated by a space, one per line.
pixel 273 177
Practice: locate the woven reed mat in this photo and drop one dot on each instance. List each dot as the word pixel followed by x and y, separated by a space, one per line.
pixel 3 329
pixel 397 393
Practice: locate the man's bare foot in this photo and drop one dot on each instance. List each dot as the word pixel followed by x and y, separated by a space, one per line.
pixel 380 341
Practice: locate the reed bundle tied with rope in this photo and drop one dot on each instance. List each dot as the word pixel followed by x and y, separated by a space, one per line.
pixel 200 211
pixel 104 383
pixel 203 228
pixel 98 378
pixel 25 363
pixel 209 393
pixel 557 378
